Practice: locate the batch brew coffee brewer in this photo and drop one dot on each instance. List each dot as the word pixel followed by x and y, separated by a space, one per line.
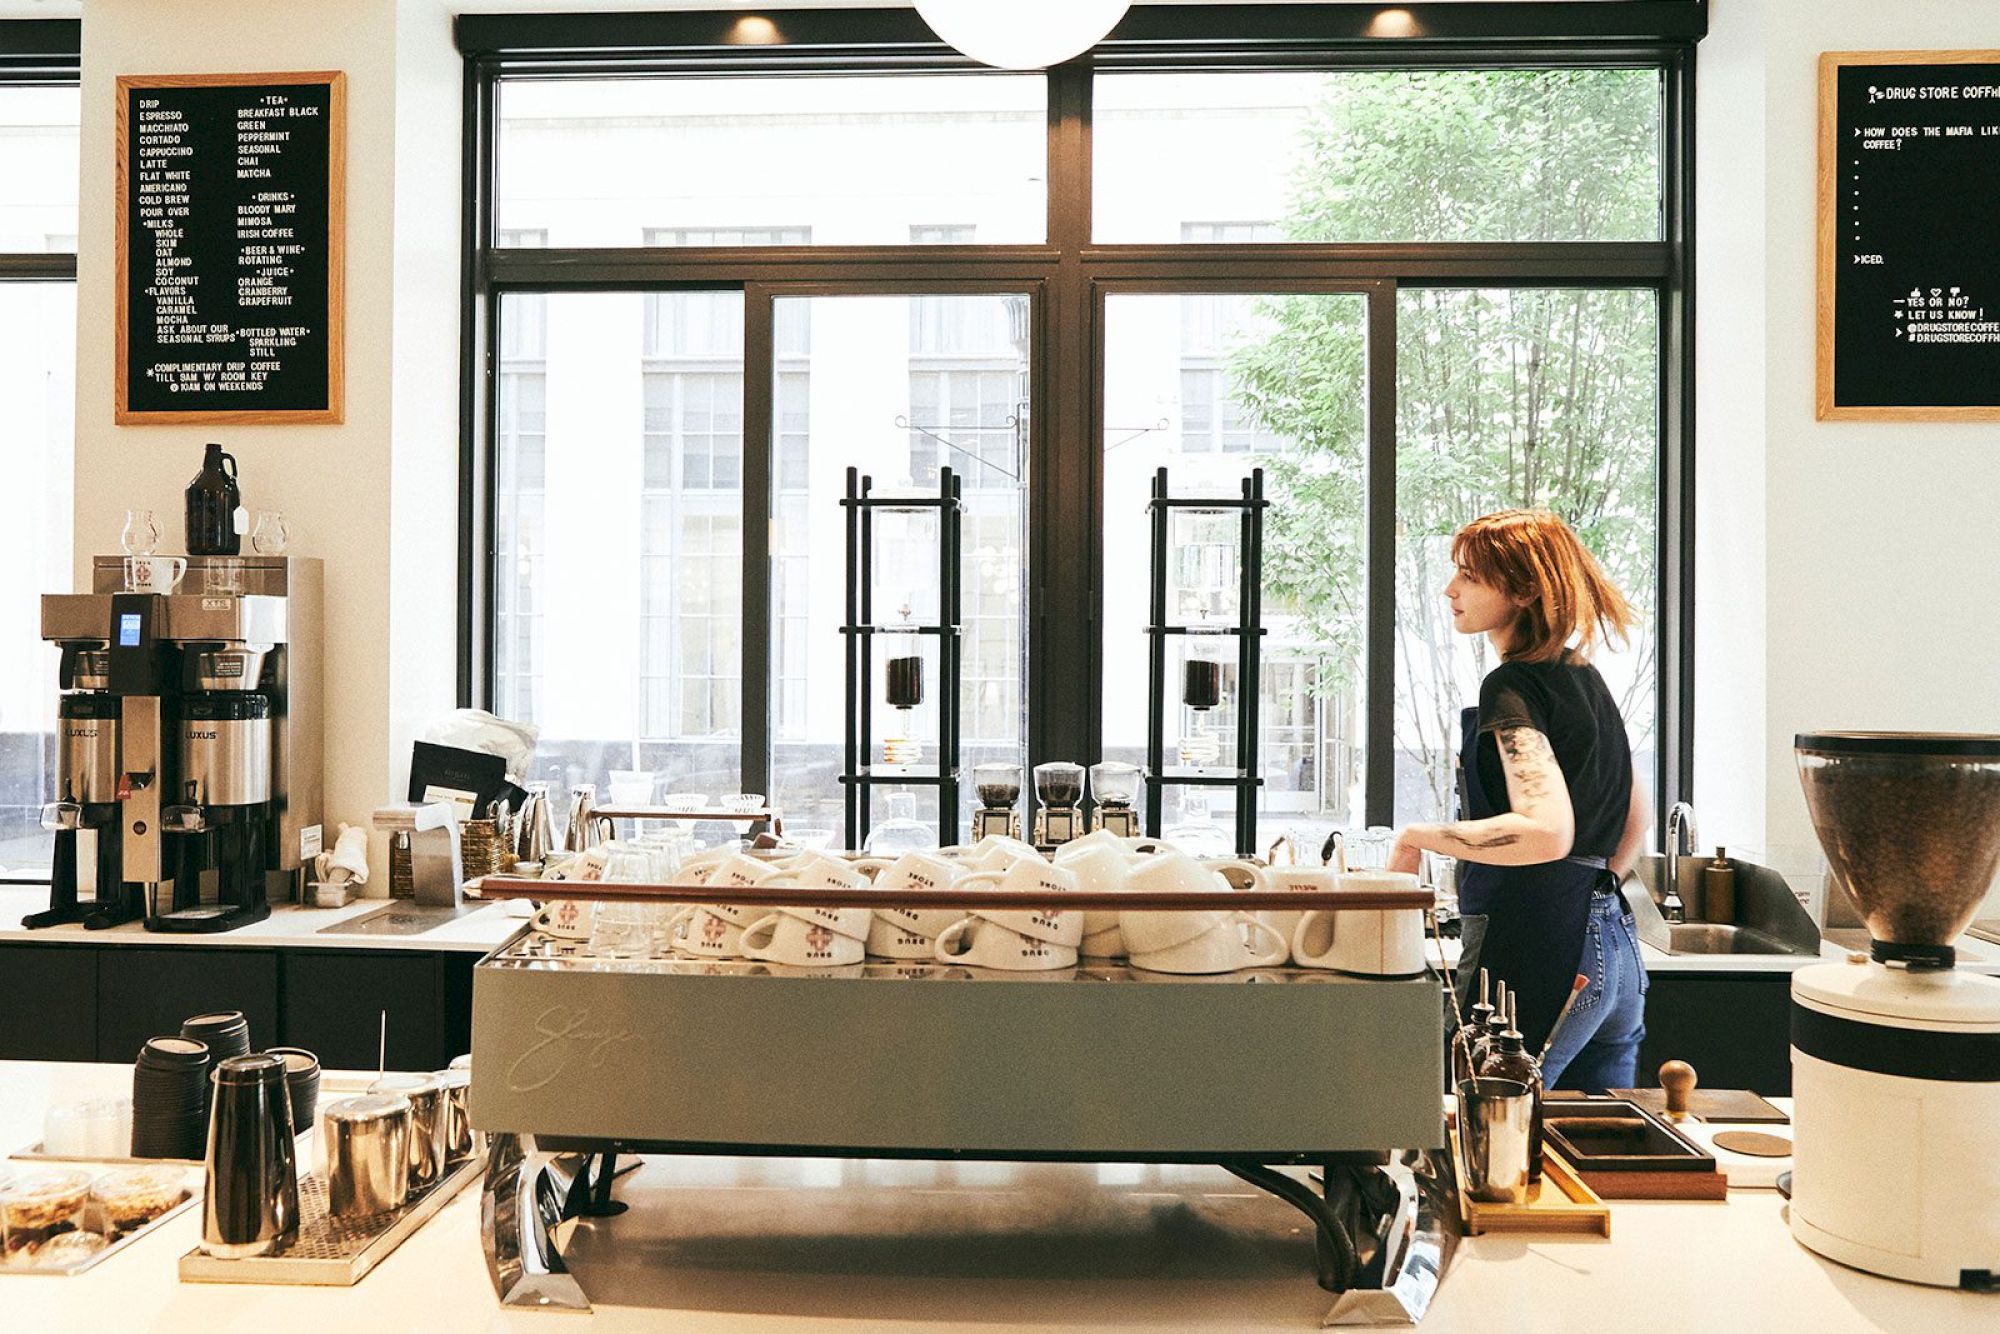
pixel 188 766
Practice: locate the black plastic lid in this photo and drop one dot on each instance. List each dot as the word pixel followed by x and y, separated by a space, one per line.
pixel 87 705
pixel 228 706
pixel 1964 745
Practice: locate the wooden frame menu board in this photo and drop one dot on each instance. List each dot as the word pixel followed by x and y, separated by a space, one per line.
pixel 231 239
pixel 1909 236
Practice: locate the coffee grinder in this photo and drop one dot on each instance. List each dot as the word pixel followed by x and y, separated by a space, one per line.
pixel 1114 787
pixel 86 799
pixel 1896 1057
pixel 999 789
pixel 1059 793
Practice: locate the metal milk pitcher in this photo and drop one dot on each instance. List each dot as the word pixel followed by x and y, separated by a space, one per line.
pixel 533 836
pixel 586 828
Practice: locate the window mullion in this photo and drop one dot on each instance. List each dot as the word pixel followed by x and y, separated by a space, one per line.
pixel 1380 704
pixel 759 445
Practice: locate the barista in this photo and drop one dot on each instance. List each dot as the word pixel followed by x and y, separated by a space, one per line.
pixel 1553 815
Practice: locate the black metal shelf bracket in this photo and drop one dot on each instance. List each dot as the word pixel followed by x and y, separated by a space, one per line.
pixel 1248 632
pixel 858 777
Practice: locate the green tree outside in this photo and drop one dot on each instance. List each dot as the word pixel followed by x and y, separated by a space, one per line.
pixel 1505 397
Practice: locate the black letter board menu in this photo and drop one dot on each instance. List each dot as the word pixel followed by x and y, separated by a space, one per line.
pixel 230 237
pixel 1909 235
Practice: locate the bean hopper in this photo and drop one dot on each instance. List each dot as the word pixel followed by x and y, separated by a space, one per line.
pixel 1896 1056
pixel 999 789
pixel 1115 789
pixel 1059 794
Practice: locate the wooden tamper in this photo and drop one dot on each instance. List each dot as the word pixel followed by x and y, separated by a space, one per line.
pixel 1677 1079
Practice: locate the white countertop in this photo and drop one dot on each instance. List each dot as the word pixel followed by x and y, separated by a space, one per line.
pixel 781 1245
pixel 289 926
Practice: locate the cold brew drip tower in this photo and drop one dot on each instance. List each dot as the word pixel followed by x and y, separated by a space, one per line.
pixel 191 743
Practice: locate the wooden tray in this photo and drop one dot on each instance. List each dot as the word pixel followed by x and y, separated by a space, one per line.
pixel 1560 1203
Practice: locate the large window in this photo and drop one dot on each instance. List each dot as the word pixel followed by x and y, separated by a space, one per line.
pixel 38 188
pixel 1408 296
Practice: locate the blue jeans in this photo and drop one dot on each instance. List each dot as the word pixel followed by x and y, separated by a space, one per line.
pixel 1598 1047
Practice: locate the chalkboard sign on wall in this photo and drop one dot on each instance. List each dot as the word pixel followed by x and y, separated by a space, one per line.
pixel 231 230
pixel 1909 235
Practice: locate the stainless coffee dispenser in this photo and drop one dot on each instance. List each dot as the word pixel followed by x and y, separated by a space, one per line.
pixel 86 800
pixel 214 692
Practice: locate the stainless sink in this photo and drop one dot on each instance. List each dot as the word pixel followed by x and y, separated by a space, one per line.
pixel 1717 938
pixel 1769 919
pixel 401 918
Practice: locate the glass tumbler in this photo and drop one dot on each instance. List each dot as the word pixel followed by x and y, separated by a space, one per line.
pixel 141 535
pixel 623 930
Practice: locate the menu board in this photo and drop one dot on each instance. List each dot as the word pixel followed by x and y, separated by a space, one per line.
pixel 230 239
pixel 1909 235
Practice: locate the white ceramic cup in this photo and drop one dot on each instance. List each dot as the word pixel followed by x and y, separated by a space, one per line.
pixel 566 919
pixel 1172 873
pixel 1367 942
pixel 1104 867
pixel 1038 877
pixel 1221 949
pixel 1092 841
pixel 782 937
pixel 737 871
pixel 987 944
pixel 1150 931
pixel 997 852
pixel 1104 943
pixel 702 933
pixel 1239 874
pixel 154 574
pixel 1297 880
pixel 909 933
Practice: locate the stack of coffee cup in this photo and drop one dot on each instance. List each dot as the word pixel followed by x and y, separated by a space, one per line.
pixel 170 1099
pixel 301 1082
pixel 1102 863
pixel 1030 939
pixel 1196 942
pixel 810 937
pixel 911 933
pixel 715 930
pixel 226 1032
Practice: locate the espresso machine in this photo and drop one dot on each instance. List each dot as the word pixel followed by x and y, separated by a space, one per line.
pixel 1058 796
pixel 999 789
pixel 1896 1055
pixel 1114 788
pixel 86 803
pixel 213 693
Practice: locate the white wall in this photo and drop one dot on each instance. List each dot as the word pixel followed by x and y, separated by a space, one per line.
pixel 1877 540
pixel 374 497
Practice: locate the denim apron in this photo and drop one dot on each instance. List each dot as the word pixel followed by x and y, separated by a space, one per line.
pixel 1524 924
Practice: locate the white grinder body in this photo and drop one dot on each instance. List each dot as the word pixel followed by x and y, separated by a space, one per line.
pixel 1896 1123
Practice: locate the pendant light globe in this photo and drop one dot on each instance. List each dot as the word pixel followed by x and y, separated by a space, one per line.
pixel 1021 34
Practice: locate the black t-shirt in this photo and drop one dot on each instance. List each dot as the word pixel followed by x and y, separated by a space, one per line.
pixel 1568 703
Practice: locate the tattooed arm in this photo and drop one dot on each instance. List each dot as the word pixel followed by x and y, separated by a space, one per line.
pixel 1541 827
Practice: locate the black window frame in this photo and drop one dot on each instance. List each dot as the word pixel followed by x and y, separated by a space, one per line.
pixel 39 53
pixel 1068 275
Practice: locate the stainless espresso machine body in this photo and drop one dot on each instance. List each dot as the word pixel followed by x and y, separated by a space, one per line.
pixel 216 691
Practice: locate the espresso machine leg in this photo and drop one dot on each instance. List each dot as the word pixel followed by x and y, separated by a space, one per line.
pixel 524 1195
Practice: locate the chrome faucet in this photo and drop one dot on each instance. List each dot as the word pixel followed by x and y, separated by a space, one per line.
pixel 1680 821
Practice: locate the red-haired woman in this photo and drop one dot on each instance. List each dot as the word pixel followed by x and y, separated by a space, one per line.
pixel 1552 815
